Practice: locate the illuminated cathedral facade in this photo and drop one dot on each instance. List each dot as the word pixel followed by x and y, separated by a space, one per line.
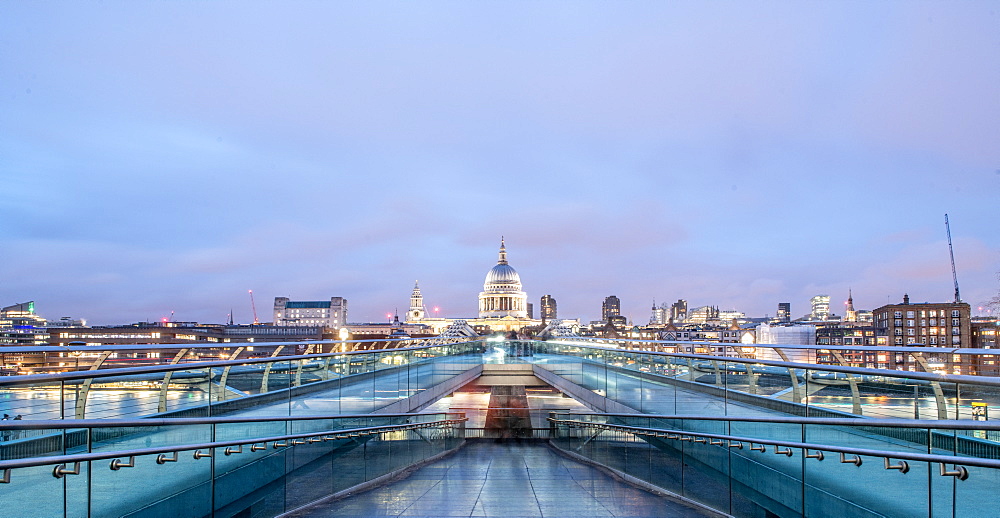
pixel 502 296
pixel 503 305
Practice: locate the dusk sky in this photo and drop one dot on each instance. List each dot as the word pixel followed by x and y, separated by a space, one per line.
pixel 170 156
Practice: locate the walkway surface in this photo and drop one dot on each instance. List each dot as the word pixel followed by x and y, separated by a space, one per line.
pixel 512 479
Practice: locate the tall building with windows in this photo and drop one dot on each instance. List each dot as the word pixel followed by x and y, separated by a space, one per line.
pixel 548 306
pixel 328 313
pixel 820 307
pixel 19 325
pixel 611 307
pixel 502 295
pixel 935 324
pixel 784 312
pixel 679 311
pixel 703 315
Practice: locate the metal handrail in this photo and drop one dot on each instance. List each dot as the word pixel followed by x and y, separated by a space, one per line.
pixel 146 369
pixel 846 450
pixel 926 376
pixel 134 423
pixel 948 424
pixel 173 346
pixel 828 347
pixel 88 457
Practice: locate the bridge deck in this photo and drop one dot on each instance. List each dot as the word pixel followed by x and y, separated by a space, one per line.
pixel 508 480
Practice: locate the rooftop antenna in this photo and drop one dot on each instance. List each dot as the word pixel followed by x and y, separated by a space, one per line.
pixel 951 251
pixel 254 308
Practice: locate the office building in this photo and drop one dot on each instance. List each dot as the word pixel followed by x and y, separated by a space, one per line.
pixel 326 313
pixel 679 311
pixel 19 325
pixel 784 312
pixel 548 308
pixel 945 324
pixel 611 307
pixel 820 307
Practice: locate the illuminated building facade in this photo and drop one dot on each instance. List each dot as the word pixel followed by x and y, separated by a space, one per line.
pixel 784 312
pixel 548 308
pixel 932 324
pixel 611 307
pixel 502 296
pixel 703 315
pixel 850 314
pixel 679 311
pixel 19 325
pixel 417 311
pixel 820 307
pixel 326 313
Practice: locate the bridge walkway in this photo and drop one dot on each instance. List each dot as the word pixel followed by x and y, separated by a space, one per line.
pixel 511 480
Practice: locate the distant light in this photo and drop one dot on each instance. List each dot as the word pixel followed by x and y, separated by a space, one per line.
pixel 164 319
pixel 436 309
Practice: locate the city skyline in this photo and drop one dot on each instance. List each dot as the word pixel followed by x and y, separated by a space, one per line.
pixel 435 310
pixel 162 157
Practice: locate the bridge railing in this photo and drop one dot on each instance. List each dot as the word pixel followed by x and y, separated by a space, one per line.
pixel 807 389
pixel 213 466
pixel 351 382
pixel 797 466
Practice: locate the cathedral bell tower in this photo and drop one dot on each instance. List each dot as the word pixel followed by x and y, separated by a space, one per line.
pixel 417 311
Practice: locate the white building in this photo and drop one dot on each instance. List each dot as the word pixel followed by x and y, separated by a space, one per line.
pixel 703 315
pixel 820 307
pixel 502 296
pixel 328 313
pixel 417 311
pixel 730 315
pixel 786 335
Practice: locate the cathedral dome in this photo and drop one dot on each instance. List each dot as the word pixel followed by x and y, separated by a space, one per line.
pixel 502 296
pixel 502 274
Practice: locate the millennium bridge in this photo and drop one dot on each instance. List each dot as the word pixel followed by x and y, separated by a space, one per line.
pixel 493 427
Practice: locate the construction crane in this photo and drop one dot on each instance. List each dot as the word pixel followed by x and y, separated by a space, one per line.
pixel 254 308
pixel 951 251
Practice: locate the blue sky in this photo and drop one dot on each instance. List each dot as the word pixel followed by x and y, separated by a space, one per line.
pixel 169 156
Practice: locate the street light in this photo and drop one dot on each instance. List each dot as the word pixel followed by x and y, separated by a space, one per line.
pixel 344 335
